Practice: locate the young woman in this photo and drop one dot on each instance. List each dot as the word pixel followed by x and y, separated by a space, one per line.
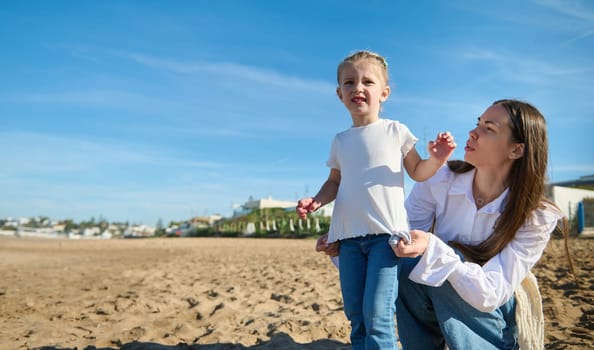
pixel 490 224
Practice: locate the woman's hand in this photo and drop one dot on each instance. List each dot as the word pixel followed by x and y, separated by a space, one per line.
pixel 417 245
pixel 323 246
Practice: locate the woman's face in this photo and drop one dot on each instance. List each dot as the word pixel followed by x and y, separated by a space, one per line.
pixel 490 142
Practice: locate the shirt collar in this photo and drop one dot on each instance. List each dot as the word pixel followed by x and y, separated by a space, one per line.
pixel 462 185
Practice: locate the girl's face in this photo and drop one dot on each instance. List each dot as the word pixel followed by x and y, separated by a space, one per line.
pixel 490 142
pixel 362 89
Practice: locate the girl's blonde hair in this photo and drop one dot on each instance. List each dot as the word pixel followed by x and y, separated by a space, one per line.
pixel 360 55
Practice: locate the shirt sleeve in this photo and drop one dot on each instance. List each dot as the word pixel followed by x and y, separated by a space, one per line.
pixel 420 207
pixel 421 203
pixel 489 286
pixel 407 139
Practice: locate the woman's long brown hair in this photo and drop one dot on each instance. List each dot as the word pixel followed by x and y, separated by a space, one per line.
pixel 526 182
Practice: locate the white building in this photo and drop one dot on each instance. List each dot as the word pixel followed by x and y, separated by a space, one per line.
pixel 568 194
pixel 264 203
pixel 268 203
pixel 567 198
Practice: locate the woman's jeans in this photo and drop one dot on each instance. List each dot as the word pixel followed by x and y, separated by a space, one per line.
pixel 430 317
pixel 369 282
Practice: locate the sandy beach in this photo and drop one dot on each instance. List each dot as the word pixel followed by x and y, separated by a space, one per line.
pixel 217 293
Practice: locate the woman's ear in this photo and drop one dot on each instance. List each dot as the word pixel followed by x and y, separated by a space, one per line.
pixel 339 93
pixel 517 151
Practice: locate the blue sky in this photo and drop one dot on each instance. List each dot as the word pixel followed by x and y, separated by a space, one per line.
pixel 145 110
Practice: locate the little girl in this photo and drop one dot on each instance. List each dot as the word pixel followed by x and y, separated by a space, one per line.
pixel 366 179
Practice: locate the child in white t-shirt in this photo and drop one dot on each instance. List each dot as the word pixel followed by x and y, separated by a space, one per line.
pixel 367 181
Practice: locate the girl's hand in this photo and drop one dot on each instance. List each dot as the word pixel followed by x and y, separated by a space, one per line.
pixel 443 146
pixel 306 206
pixel 323 246
pixel 417 245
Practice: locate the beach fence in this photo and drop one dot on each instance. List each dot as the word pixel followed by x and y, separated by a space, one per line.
pixel 585 217
pixel 578 206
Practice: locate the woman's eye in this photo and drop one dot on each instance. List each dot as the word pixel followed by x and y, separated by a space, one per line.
pixel 484 127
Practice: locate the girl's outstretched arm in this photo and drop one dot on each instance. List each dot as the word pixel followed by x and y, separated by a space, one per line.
pixel 325 195
pixel 439 152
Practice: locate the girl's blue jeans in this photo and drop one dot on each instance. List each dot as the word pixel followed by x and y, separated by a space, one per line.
pixel 430 317
pixel 369 282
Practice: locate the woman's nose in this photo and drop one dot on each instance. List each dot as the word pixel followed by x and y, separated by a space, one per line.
pixel 472 133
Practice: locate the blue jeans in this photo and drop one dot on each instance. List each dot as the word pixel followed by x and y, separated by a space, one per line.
pixel 430 317
pixel 369 282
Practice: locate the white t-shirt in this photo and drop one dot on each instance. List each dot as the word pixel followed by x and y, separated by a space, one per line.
pixel 447 196
pixel 370 198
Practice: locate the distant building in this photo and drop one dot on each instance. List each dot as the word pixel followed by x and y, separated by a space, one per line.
pixel 268 203
pixel 203 222
pixel 139 231
pixel 586 182
pixel 568 195
pixel 264 203
pixel 567 198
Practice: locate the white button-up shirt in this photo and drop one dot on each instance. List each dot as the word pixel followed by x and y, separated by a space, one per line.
pixel 447 197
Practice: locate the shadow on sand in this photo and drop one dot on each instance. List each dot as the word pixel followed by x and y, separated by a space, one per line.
pixel 279 341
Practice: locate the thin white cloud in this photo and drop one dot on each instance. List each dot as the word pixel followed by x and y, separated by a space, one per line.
pixel 431 102
pixel 561 16
pixel 95 98
pixel 576 10
pixel 235 70
pixel 524 69
pixel 583 168
pixel 584 35
pixel 184 122
pixel 118 203
pixel 572 8
pixel 36 152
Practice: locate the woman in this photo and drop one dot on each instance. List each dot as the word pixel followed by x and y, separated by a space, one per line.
pixel 490 224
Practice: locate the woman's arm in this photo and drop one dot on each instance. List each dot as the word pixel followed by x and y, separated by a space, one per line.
pixel 485 287
pixel 421 205
pixel 489 286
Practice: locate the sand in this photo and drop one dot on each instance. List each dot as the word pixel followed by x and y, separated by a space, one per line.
pixel 216 293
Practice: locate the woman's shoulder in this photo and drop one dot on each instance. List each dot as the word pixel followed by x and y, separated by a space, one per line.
pixel 438 185
pixel 443 175
pixel 545 214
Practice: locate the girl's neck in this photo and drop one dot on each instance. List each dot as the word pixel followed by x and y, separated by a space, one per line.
pixel 364 120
